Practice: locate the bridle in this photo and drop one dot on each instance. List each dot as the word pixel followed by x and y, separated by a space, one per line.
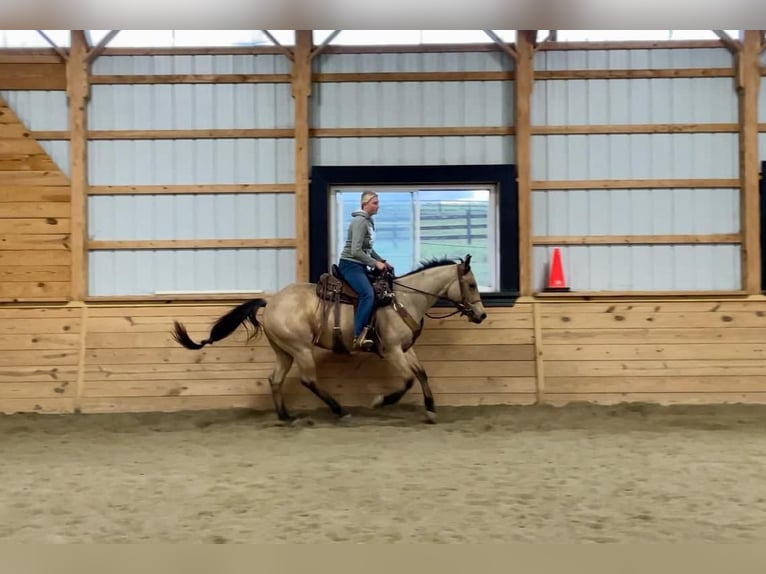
pixel 463 307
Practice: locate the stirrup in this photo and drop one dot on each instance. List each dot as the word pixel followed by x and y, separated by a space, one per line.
pixel 363 342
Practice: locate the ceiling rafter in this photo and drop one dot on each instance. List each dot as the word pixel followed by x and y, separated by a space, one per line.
pixel 285 50
pixel 508 48
pixel 734 46
pixel 326 42
pixel 62 52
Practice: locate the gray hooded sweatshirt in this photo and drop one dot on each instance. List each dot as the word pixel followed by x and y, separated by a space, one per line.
pixel 359 240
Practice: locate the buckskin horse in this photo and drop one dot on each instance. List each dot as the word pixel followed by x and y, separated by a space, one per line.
pixel 296 319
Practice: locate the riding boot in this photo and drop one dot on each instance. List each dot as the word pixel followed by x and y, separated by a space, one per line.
pixel 363 342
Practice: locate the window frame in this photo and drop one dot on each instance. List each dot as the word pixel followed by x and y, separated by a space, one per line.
pixel 502 176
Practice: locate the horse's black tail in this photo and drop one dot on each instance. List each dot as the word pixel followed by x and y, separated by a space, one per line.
pixel 224 326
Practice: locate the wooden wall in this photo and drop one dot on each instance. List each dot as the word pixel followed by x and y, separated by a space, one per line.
pixel 35 217
pixel 117 358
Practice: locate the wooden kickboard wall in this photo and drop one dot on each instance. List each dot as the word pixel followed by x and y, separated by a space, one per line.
pixel 121 358
pixel 35 216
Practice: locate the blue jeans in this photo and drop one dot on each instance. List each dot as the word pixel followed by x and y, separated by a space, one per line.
pixel 356 276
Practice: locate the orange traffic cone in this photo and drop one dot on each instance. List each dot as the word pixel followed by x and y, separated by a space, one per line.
pixel 556 281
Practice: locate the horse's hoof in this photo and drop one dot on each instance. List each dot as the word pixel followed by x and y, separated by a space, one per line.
pixel 345 419
pixel 377 402
pixel 431 417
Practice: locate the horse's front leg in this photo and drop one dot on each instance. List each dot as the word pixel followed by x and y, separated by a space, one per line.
pixel 409 364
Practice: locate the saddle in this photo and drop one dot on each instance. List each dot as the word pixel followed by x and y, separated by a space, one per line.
pixel 333 291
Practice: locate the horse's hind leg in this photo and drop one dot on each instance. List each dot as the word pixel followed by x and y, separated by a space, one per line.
pixel 283 363
pixel 307 366
pixel 409 364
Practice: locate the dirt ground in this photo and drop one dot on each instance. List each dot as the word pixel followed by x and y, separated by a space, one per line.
pixel 580 473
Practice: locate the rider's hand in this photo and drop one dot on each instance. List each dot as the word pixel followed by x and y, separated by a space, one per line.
pixel 381 266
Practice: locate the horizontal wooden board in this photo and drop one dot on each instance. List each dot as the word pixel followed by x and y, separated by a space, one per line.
pixel 21 146
pixel 24 374
pixel 658 398
pixel 670 305
pixel 21 290
pixel 191 244
pixel 32 273
pixel 657 384
pixel 39 341
pixel 687 351
pixel 652 368
pixel 36 390
pixel 39 242
pixel 32 177
pixel 681 336
pixel 43 358
pixel 34 194
pixel 30 209
pixel 190 79
pixel 32 258
pixel 654 320
pixel 260 386
pixel 28 76
pixel 190 189
pixel 34 226
pixel 56 405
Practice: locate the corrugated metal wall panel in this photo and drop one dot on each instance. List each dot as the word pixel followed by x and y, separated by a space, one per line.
pixel 634 156
pixel 550 60
pixel 147 272
pixel 644 268
pixel 203 216
pixel 223 161
pixel 635 212
pixel 39 109
pixel 640 101
pixel 412 104
pixel 58 150
pixel 496 61
pixel 190 106
pixel 200 64
pixel 413 150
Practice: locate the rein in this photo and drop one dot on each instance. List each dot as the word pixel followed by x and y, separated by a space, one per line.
pixel 461 307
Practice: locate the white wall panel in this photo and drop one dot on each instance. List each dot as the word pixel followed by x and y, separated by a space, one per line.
pixel 633 59
pixel 413 150
pixel 39 109
pixel 190 106
pixel 147 272
pixel 58 150
pixel 495 61
pixel 200 216
pixel 643 268
pixel 635 156
pixel 412 104
pixel 639 101
pixel 224 161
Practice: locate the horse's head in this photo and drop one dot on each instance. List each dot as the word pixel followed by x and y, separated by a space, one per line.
pixel 469 297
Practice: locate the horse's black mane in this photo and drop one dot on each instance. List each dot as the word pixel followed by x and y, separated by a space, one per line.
pixel 429 263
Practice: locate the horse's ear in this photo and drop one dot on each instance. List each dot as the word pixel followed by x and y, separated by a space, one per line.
pixel 467 263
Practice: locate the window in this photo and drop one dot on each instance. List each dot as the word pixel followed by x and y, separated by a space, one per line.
pixel 426 222
pixel 426 211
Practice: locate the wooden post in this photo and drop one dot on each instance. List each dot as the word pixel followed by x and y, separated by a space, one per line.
pixel 748 84
pixel 301 89
pixel 78 92
pixel 523 80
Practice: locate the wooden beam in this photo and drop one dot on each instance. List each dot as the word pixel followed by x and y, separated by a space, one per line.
pixel 672 239
pixel 190 189
pixel 321 48
pixel 60 51
pixel 284 49
pixel 189 79
pixel 96 51
pixel 523 125
pixel 731 44
pixel 635 129
pixel 749 74
pixel 505 46
pixel 564 185
pixel 301 90
pixel 78 93
pixel 637 73
pixel 151 244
